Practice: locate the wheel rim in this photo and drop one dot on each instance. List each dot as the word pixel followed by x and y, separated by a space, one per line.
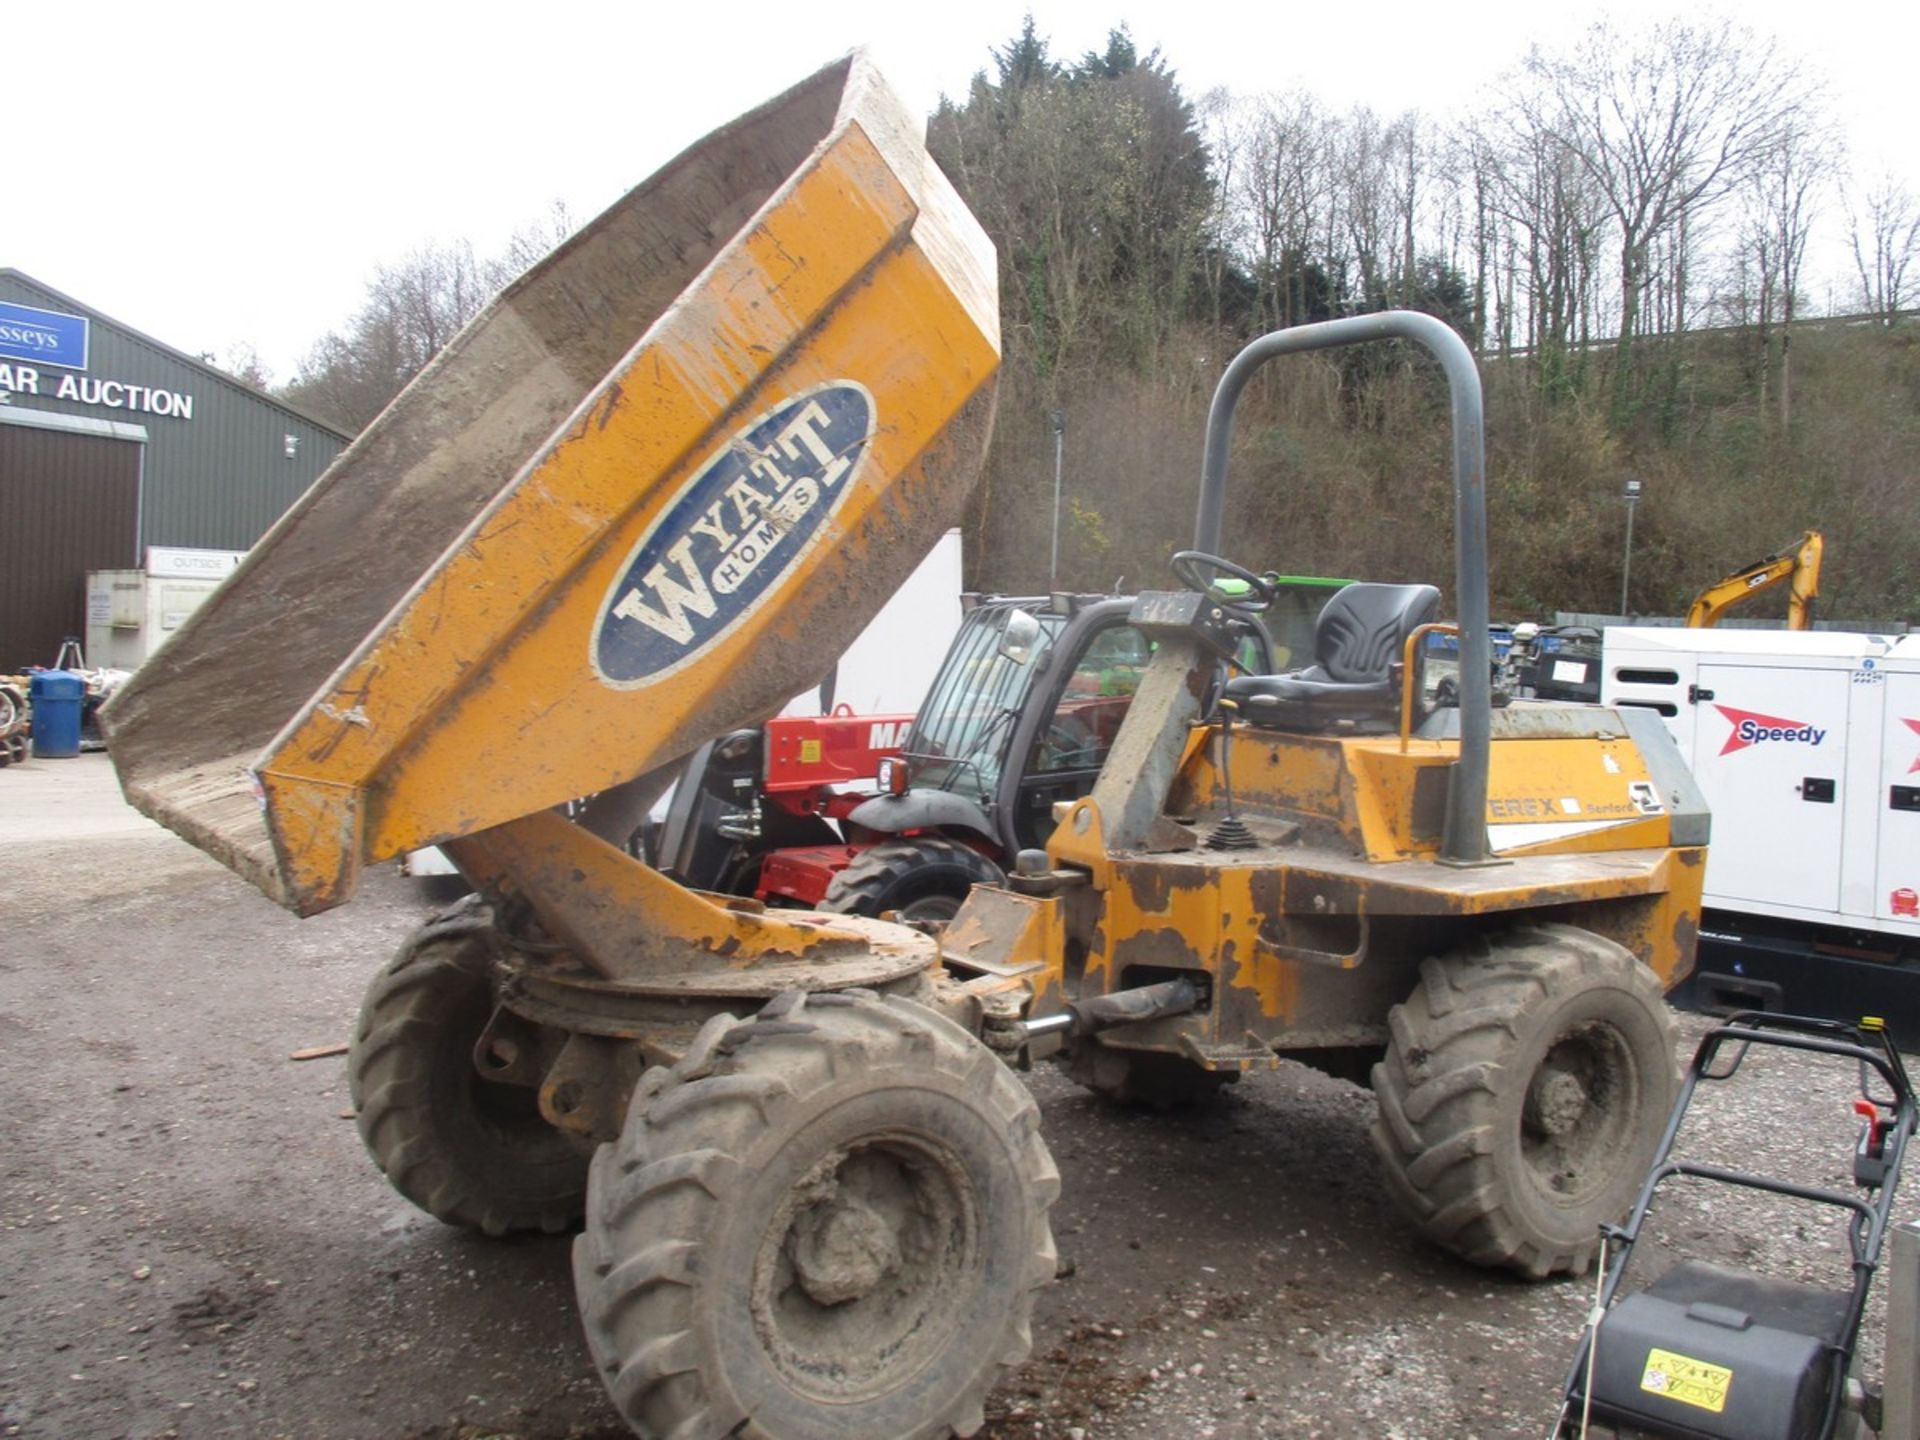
pixel 861 1277
pixel 509 1116
pixel 931 907
pixel 1578 1114
pixel 504 1117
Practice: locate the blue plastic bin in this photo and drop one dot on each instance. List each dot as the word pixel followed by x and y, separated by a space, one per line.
pixel 57 696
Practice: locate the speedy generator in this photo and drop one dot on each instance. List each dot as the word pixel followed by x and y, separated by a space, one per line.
pixel 1709 1351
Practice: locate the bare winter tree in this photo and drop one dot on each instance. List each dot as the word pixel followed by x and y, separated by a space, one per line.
pixel 413 308
pixel 532 243
pixel 1545 218
pixel 1782 201
pixel 1885 240
pixel 1666 124
pixel 1281 193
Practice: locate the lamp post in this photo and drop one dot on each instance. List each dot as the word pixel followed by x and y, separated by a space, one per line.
pixel 1630 492
pixel 1058 419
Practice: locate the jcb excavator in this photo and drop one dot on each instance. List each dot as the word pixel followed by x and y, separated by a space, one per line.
pixel 635 505
pixel 1798 563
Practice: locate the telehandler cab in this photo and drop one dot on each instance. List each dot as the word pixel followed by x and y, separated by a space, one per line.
pixel 1019 717
pixel 633 506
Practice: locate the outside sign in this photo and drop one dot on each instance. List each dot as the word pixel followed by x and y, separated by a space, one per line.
pixel 171 562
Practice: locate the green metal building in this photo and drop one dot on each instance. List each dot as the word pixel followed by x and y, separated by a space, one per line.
pixel 110 443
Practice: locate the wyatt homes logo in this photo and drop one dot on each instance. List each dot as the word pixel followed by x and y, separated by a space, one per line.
pixel 1750 728
pixel 736 529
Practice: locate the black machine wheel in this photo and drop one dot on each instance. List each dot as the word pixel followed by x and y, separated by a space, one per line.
pixel 467 1150
pixel 924 877
pixel 1523 1095
pixel 1145 1078
pixel 828 1221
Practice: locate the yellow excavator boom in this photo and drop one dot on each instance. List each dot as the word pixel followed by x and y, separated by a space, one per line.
pixel 643 498
pixel 1798 562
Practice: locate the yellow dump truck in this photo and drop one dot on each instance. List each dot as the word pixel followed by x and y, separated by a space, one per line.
pixel 645 497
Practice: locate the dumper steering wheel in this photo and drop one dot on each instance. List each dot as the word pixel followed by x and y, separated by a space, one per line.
pixel 1200 571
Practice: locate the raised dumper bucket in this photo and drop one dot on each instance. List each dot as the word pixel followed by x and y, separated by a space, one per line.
pixel 646 496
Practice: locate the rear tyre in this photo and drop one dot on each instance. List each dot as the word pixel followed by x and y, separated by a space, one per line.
pixel 467 1150
pixel 1144 1078
pixel 828 1221
pixel 1524 1093
pixel 924 878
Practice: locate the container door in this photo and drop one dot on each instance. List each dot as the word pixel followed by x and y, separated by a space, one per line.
pixel 69 503
pixel 1770 753
pixel 1899 803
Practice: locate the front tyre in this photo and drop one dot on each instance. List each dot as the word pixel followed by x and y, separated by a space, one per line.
pixel 1523 1095
pixel 468 1150
pixel 827 1222
pixel 923 877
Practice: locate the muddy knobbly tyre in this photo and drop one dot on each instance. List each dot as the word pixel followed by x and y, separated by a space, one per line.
pixel 1524 1092
pixel 465 1149
pixel 1144 1078
pixel 827 1223
pixel 924 877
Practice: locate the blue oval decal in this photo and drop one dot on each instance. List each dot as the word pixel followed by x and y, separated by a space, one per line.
pixel 732 533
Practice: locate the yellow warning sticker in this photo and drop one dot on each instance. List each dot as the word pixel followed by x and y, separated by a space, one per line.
pixel 809 752
pixel 1691 1382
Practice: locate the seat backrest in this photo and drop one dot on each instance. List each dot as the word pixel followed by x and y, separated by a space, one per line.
pixel 1364 628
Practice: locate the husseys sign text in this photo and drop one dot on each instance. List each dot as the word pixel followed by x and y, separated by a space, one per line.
pixel 736 529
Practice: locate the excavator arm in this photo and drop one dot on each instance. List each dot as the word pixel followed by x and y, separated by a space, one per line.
pixel 1798 563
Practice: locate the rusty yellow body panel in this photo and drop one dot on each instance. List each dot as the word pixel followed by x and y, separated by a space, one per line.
pixel 1546 796
pixel 1315 932
pixel 717 505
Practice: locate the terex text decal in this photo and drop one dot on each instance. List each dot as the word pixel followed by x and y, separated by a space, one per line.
pixel 1753 729
pixel 732 533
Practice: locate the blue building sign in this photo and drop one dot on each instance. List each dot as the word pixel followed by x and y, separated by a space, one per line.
pixel 42 337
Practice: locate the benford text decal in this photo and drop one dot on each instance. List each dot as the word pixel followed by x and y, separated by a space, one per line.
pixel 1752 729
pixel 735 530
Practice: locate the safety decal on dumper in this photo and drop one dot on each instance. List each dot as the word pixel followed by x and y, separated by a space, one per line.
pixel 732 533
pixel 1690 1382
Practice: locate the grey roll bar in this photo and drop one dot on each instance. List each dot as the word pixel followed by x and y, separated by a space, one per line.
pixel 1464 837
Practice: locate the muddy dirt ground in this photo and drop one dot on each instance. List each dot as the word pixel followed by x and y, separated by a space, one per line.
pixel 192 1242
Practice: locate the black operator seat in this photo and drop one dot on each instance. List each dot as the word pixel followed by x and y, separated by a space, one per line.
pixel 1354 682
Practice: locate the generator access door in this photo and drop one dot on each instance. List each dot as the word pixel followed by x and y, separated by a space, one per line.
pixel 1897 888
pixel 1769 750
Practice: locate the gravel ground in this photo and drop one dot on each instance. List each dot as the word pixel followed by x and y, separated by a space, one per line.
pixel 193 1244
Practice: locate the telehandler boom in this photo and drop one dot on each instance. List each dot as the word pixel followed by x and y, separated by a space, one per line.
pixel 638 503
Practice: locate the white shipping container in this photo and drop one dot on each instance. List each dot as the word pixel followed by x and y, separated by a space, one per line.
pixel 131 614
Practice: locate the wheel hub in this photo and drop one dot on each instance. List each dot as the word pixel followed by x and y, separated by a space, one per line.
pixel 861 1266
pixel 1556 1102
pixel 841 1250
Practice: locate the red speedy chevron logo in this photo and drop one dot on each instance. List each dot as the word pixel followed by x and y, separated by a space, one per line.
pixel 1913 725
pixel 1750 728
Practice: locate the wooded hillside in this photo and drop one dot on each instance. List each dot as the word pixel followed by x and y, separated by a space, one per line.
pixel 1143 240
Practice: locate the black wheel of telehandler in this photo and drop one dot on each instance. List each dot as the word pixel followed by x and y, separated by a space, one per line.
pixel 1144 1078
pixel 924 877
pixel 467 1150
pixel 1524 1091
pixel 827 1221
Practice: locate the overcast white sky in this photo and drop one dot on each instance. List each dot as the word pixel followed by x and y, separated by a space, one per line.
pixel 219 175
